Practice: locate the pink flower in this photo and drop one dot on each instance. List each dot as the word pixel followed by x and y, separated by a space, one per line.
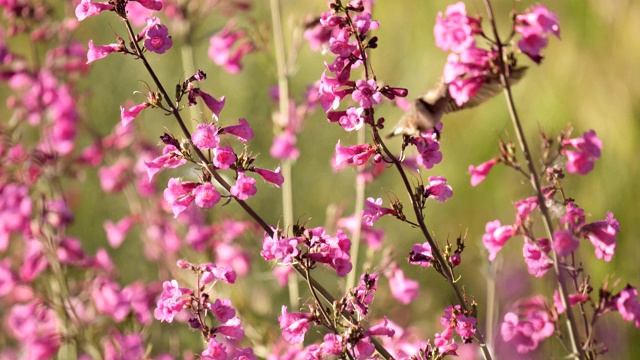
pixel 529 326
pixel 157 39
pixel 438 188
pixel 205 137
pixel 364 349
pixel 128 115
pixel 534 25
pixel 363 23
pixel 479 173
pixel 587 151
pixel 441 341
pixel 116 232
pixel 224 157
pixel 294 325
pixel 373 211
pixel 244 188
pixel 123 346
pixel 172 300
pixel 231 329
pixel 109 300
pixel 340 45
pixel 356 155
pixel 532 43
pixel 574 218
pixel 523 209
pixel 465 327
pixel 100 51
pixel 214 350
pixel 155 5
pixel 366 93
pixel 403 289
pixel 564 243
pixel 171 158
pixel 179 195
pixel 602 235
pixel 114 178
pixel 15 211
pixel 222 310
pixel 421 255
pixel 284 146
pixel 428 149
pixel 536 258
pixel 87 8
pixel 242 131
pixel 206 196
pixel 212 103
pixel 352 119
pixel 274 177
pixel 282 249
pixel 627 304
pixel 221 48
pixel 455 30
pixel 573 300
pixel 496 236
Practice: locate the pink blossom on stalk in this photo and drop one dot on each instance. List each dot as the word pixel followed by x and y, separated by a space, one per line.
pixel 87 8
pixel 366 93
pixel 352 119
pixel 34 261
pixel 496 236
pixel 438 188
pixel 205 137
pixel 157 39
pixel 113 178
pixel 15 211
pixel 533 25
pixel 179 195
pixel 155 5
pixel 274 177
pixel 8 280
pixel 441 341
pixel 363 23
pixel 128 115
pixel 222 310
pixel 116 232
pixel 138 14
pixel 317 36
pixel 403 289
pixel 242 131
pixel 364 349
pixel 479 173
pixel 588 149
pixel 340 45
pixel 536 258
pixel 574 218
pixel 282 249
pixel 573 300
pixel 532 43
pixel 564 243
pixel 602 235
pixel 428 149
pixel 172 300
pixel 356 155
pixel 171 158
pixel 109 300
pixel 123 346
pixel 244 188
pixel 231 329
pixel 101 51
pixel 373 210
pixel 294 325
pixel 627 304
pixel 35 326
pixel 206 196
pixel 455 30
pixel 212 103
pixel 465 327
pixel 212 272
pixel 421 255
pixel 221 48
pixel 523 209
pixel 224 157
pixel 529 326
pixel 284 146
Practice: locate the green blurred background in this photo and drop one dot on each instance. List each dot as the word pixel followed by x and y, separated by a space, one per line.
pixel 590 79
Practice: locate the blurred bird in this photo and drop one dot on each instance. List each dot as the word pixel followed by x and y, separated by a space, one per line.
pixel 427 110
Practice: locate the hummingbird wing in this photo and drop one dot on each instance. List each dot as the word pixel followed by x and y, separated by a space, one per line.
pixel 490 88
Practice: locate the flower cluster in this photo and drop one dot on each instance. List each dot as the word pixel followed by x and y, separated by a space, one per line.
pixel 530 324
pixel 318 248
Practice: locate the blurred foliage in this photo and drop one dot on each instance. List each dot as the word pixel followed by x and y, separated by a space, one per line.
pixel 590 79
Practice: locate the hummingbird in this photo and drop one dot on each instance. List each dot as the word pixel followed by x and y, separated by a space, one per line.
pixel 427 110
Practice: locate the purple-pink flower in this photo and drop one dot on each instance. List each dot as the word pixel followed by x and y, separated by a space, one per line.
pixel 496 236
pixel 128 115
pixel 587 150
pixel 242 131
pixel 602 235
pixel 224 157
pixel 157 39
pixel 206 196
pixel 438 188
pixel 294 325
pixel 564 242
pixel 101 51
pixel 274 177
pixel 373 210
pixel 536 258
pixel 172 300
pixel 356 155
pixel 479 173
pixel 455 30
pixel 534 25
pixel 421 255
pixel 366 93
pixel 244 188
pixel 205 137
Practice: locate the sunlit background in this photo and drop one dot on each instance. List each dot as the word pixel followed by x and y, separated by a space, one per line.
pixel 590 78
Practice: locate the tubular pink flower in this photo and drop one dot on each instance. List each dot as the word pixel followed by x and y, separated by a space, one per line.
pixel 438 188
pixel 212 103
pixel 523 209
pixel 244 188
pixel 206 196
pixel 128 115
pixel 100 51
pixel 116 232
pixel 86 8
pixel 536 258
pixel 403 289
pixel 479 173
pixel 157 39
pixel 496 236
pixel 223 157
pixel 366 93
pixel 284 146
pixel 294 325
pixel 373 210
pixel 602 235
pixel 274 177
pixel 171 158
pixel 356 155
pixel 428 149
pixel 352 119
pixel 155 5
pixel 421 255
pixel 172 300
pixel 564 243
pixel 205 137
pixel 223 310
pixel 179 195
pixel 114 178
pixel 455 30
pixel 588 150
pixel 242 131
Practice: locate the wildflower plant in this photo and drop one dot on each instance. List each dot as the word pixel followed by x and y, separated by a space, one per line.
pixel 64 300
